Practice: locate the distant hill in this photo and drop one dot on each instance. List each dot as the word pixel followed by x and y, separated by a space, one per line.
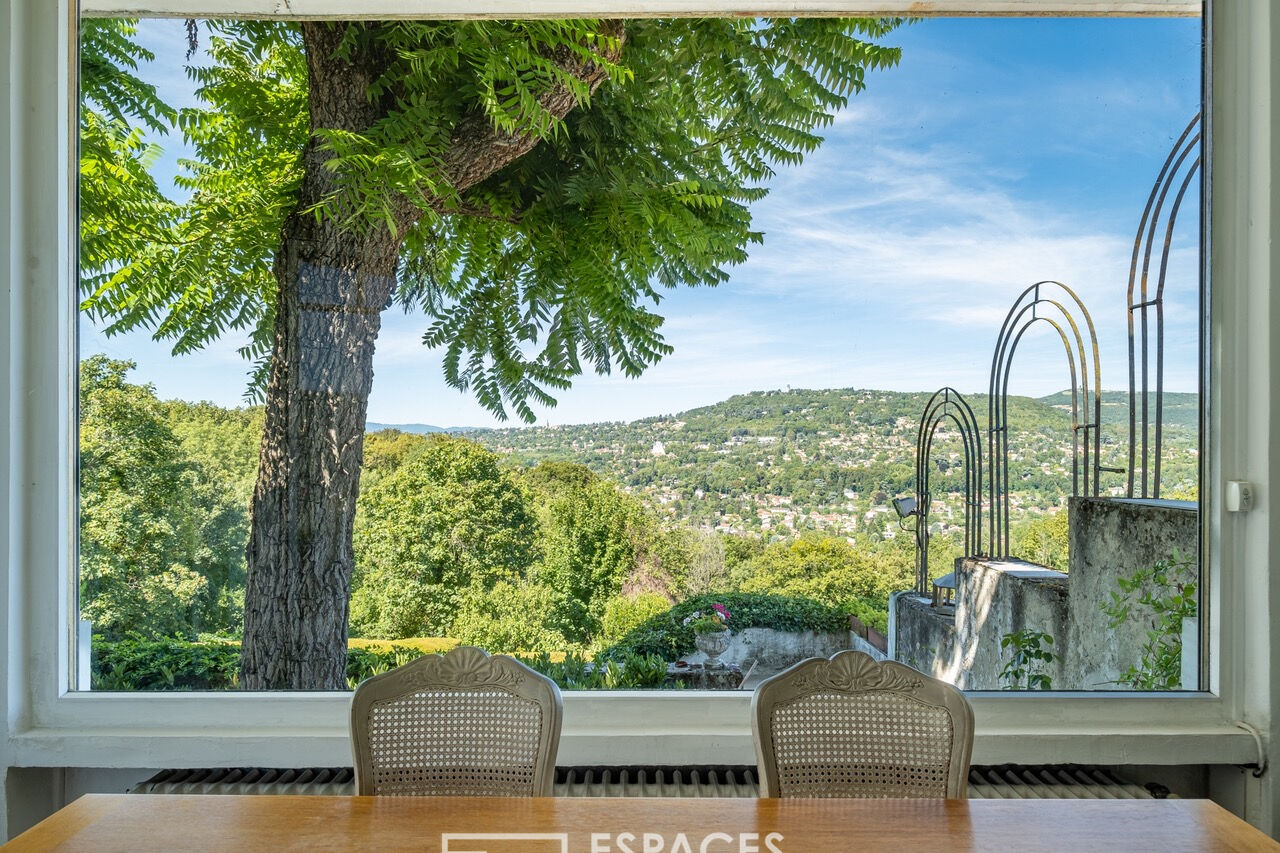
pixel 832 458
pixel 418 429
pixel 782 462
pixel 1180 409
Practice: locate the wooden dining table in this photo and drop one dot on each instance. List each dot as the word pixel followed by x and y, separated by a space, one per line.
pixel 102 823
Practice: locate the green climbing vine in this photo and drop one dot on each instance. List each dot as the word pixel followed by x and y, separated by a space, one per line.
pixel 1169 602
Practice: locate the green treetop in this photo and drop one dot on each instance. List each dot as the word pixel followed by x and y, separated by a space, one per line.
pixel 531 186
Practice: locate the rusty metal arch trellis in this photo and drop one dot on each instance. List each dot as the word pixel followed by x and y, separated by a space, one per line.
pixel 1048 302
pixel 947 404
pixel 1146 428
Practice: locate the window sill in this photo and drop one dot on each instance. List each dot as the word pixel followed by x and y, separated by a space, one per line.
pixel 624 727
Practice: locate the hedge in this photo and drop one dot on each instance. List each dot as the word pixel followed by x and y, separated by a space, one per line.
pixel 174 664
pixel 637 660
pixel 665 634
pixel 137 664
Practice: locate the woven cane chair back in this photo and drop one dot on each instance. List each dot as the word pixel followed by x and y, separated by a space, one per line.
pixel 463 724
pixel 853 727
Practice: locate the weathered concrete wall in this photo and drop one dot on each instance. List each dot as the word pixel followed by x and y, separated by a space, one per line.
pixel 1111 539
pixel 997 598
pixel 993 598
pixel 924 636
pixel 777 649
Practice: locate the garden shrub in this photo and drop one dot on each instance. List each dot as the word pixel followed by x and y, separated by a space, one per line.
pixel 666 635
pixel 141 664
pixel 637 660
pixel 624 612
pixel 135 663
pixel 869 612
pixel 516 616
pixel 423 645
pixel 626 672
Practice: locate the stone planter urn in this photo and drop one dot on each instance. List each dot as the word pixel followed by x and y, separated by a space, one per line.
pixel 712 645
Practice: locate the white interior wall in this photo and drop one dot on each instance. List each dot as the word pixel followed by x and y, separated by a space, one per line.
pixel 44 728
pixel 1243 260
pixel 8 268
pixel 30 250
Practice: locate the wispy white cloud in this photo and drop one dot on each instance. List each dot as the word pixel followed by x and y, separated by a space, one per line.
pixel 893 254
pixel 942 246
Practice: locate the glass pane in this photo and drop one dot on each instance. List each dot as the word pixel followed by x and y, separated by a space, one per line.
pixel 378 363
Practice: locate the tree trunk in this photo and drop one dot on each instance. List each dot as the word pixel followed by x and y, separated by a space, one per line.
pixel 333 283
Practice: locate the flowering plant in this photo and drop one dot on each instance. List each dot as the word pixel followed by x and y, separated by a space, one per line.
pixel 709 622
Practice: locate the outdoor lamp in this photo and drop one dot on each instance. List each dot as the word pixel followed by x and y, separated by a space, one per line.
pixel 904 507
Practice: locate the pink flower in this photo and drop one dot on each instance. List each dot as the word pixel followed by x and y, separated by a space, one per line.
pixel 720 608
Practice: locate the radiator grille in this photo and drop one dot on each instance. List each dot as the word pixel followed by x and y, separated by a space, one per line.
pixel 1007 781
pixel 702 781
pixel 1056 782
pixel 250 780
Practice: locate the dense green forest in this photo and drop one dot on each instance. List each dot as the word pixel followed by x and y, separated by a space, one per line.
pixel 829 460
pixel 559 538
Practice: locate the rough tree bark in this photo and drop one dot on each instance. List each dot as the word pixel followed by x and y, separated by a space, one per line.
pixel 332 285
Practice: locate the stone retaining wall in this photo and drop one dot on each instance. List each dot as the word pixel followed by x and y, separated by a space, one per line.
pixel 1110 539
pixel 777 649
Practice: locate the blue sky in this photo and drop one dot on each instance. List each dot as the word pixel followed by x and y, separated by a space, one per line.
pixel 999 152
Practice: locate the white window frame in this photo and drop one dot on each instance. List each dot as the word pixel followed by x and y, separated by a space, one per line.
pixel 49 725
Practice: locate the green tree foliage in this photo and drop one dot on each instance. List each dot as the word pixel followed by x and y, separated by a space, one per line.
pixel 644 184
pixel 829 570
pixel 161 543
pixel 594 539
pixel 223 442
pixel 387 450
pixel 708 569
pixel 122 211
pixel 648 187
pixel 517 616
pixel 624 612
pixel 739 551
pixel 191 270
pixel 872 613
pixel 447 519
pixel 1044 540
pixel 222 445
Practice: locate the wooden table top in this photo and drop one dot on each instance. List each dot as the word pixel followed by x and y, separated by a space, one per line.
pixel 115 822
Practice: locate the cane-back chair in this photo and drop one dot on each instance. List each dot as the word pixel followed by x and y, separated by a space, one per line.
pixel 854 727
pixel 460 724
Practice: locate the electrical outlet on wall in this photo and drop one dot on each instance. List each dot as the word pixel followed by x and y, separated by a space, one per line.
pixel 1240 496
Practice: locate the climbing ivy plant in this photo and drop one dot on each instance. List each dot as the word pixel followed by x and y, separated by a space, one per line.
pixel 1165 603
